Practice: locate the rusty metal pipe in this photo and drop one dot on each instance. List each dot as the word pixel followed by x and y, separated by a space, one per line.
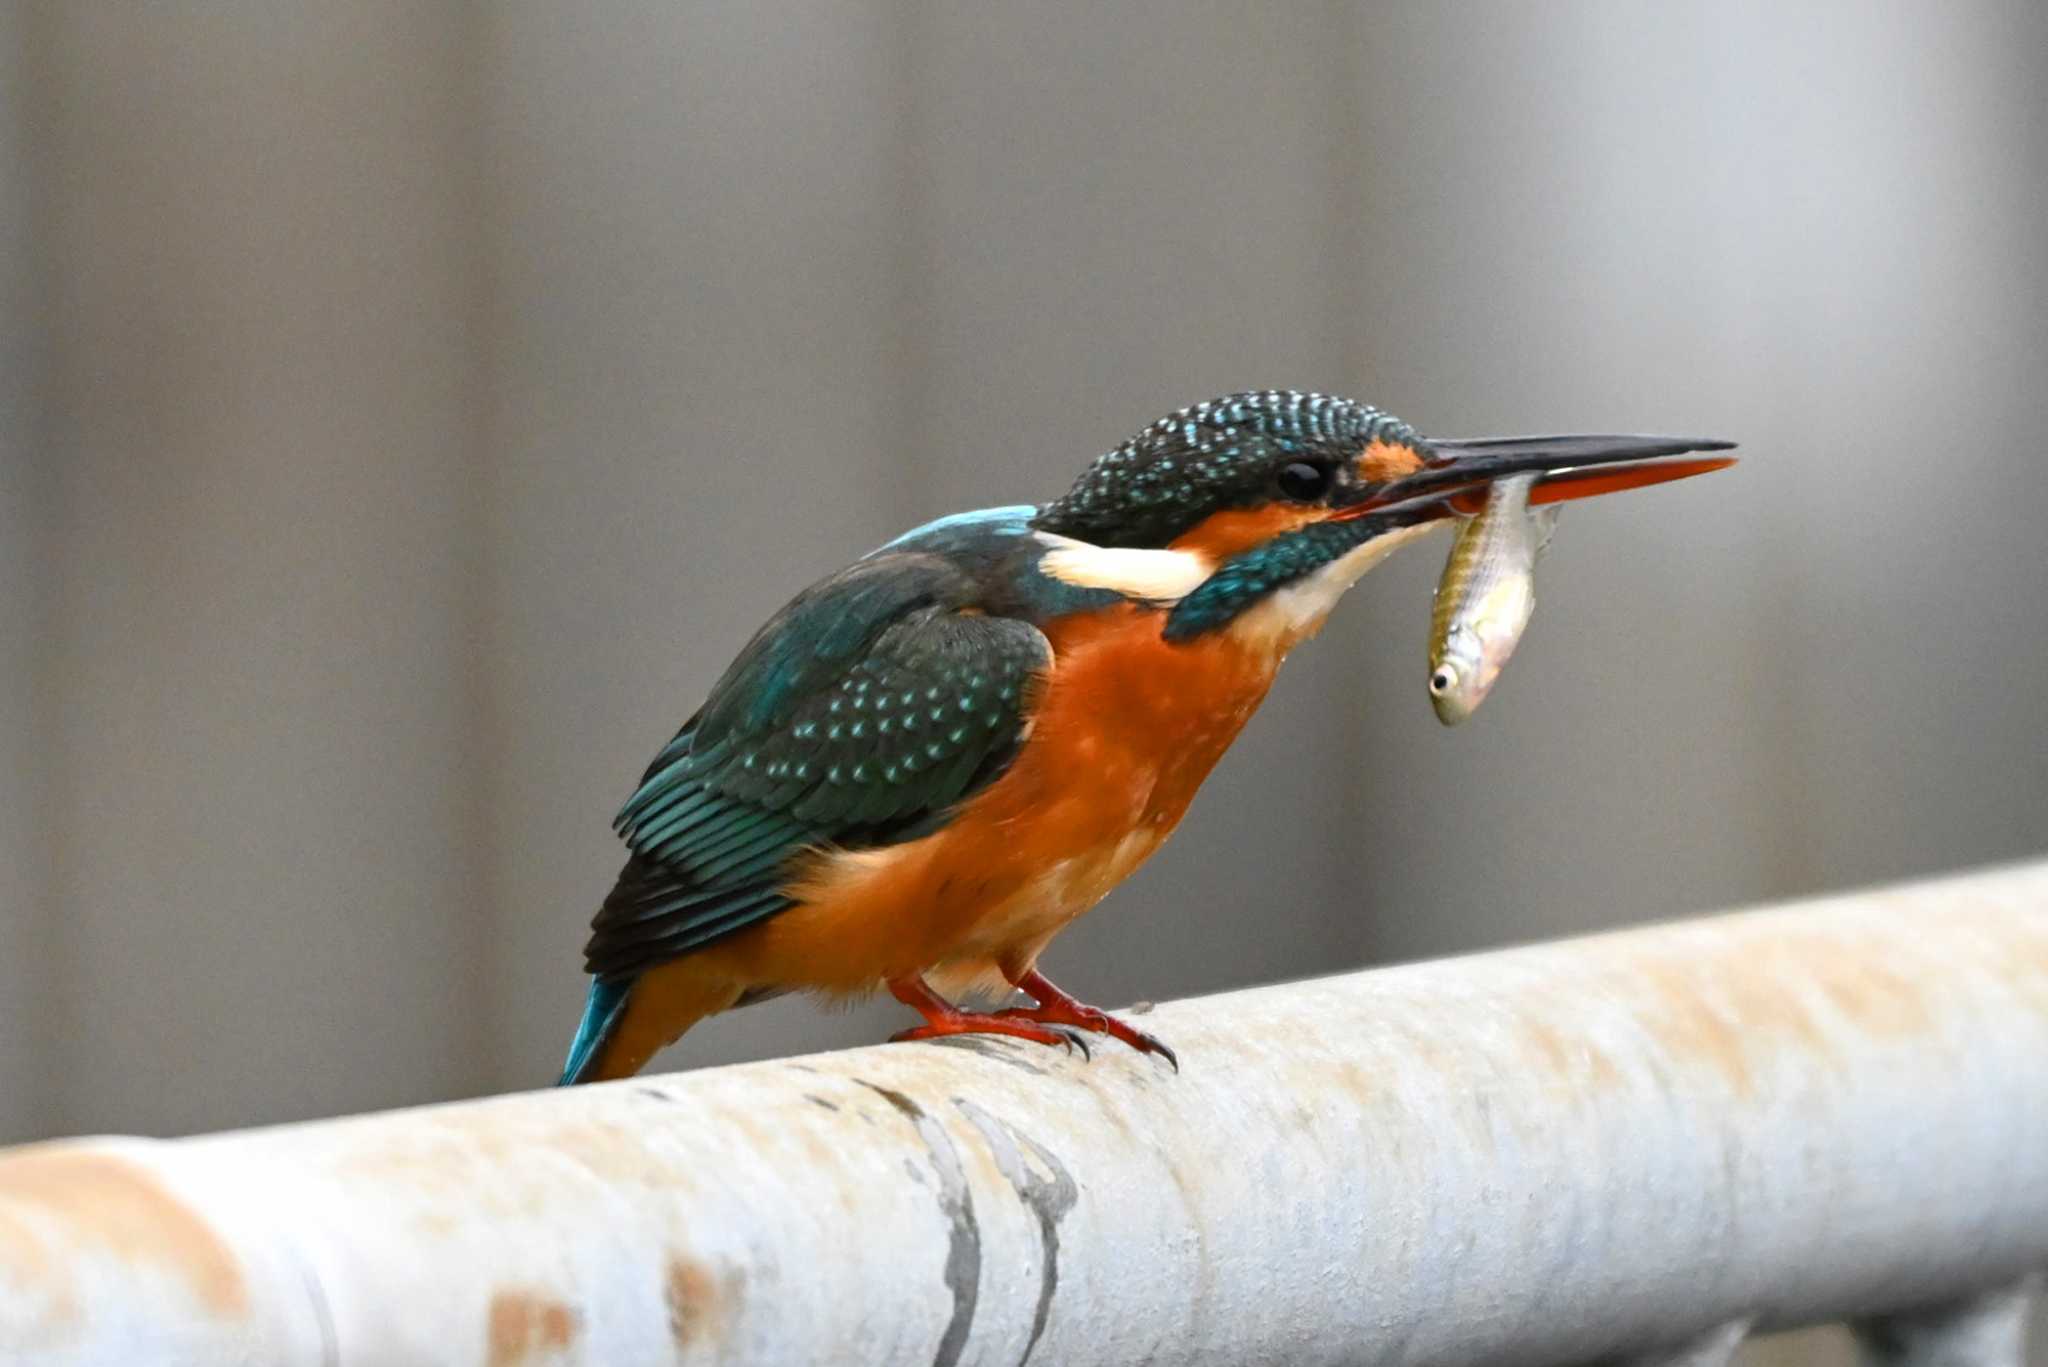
pixel 1562 1153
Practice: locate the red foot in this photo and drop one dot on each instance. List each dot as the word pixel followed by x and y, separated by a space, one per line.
pixel 1055 1007
pixel 975 1023
pixel 942 1018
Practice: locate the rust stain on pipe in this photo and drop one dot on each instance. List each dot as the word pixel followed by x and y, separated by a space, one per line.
pixel 1878 998
pixel 700 1301
pixel 105 1203
pixel 1732 1007
pixel 1576 1064
pixel 1690 1028
pixel 524 1327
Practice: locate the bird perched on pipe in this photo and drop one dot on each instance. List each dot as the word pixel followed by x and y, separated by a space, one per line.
pixel 926 765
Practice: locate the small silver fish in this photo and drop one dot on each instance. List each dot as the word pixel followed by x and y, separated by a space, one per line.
pixel 1485 596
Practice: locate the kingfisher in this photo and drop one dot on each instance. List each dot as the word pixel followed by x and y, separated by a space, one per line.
pixel 926 765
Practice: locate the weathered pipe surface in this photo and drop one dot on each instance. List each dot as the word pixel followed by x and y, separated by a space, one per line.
pixel 1572 1152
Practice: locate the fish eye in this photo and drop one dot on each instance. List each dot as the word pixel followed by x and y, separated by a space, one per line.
pixel 1304 481
pixel 1442 681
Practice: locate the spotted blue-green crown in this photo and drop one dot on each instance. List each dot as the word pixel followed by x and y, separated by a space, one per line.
pixel 1224 453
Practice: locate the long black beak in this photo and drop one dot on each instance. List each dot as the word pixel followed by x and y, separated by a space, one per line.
pixel 1452 482
pixel 1456 472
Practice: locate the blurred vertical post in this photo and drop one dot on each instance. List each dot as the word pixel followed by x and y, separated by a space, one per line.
pixel 266 520
pixel 24 828
pixel 696 407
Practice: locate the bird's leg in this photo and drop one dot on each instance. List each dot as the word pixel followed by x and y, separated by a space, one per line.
pixel 1056 1007
pixel 942 1018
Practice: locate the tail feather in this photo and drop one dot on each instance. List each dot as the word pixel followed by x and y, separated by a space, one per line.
pixel 602 1009
pixel 627 1023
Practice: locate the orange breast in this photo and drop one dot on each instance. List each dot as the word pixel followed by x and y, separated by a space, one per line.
pixel 1125 731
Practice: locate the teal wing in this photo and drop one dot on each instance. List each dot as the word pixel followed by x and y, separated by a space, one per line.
pixel 860 716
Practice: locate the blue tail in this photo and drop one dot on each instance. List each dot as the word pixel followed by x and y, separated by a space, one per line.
pixel 601 1012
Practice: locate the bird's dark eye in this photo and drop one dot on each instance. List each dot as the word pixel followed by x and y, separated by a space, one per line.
pixel 1304 480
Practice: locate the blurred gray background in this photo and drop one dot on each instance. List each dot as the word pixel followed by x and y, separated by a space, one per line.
pixel 407 410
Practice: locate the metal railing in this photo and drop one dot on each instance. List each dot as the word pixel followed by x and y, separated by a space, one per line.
pixel 1637 1147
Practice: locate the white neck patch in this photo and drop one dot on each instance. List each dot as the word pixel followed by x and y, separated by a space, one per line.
pixel 1287 615
pixel 1158 576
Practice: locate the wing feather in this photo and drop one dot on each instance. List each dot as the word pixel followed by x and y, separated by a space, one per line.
pixel 860 716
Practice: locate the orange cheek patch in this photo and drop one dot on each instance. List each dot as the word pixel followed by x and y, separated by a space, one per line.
pixel 1382 461
pixel 1222 535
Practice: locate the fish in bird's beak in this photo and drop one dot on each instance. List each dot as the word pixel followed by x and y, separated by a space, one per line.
pixel 1485 596
pixel 1508 490
pixel 1394 489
